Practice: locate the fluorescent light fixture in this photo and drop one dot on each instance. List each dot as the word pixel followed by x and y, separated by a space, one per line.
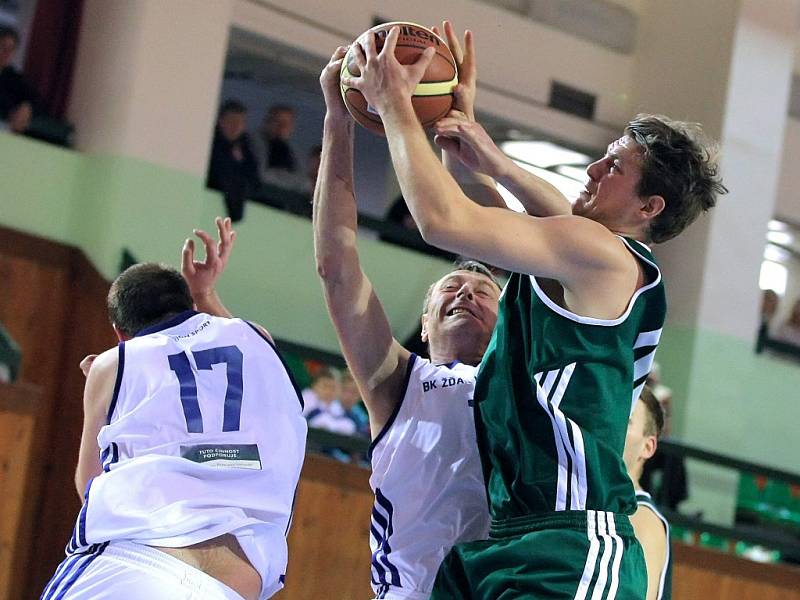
pixel 567 186
pixel 773 276
pixel 543 154
pixel 576 173
pixel 776 254
pixel 782 238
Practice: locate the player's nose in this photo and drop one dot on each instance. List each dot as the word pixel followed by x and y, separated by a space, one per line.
pixel 465 290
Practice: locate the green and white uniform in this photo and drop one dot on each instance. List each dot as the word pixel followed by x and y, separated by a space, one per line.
pixel 665 579
pixel 553 397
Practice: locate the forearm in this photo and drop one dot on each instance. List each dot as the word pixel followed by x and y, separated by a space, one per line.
pixel 335 214
pixel 433 196
pixel 539 198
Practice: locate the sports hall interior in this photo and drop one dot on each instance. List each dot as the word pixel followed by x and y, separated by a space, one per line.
pixel 145 84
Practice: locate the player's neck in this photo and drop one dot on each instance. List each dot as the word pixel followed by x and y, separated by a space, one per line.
pixel 444 356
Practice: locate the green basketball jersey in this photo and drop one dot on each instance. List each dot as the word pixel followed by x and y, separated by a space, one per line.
pixel 665 581
pixel 553 397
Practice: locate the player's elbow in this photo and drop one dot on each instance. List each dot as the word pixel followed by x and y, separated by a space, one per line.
pixel 445 231
pixel 328 266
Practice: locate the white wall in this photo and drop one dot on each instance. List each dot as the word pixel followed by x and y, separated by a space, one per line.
pixel 787 203
pixel 147 78
pixel 516 56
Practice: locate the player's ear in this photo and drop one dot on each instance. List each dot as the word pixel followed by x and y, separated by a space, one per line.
pixel 652 206
pixel 650 445
pixel 121 335
pixel 424 333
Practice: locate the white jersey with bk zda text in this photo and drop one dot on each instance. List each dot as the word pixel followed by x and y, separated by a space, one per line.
pixel 427 479
pixel 205 436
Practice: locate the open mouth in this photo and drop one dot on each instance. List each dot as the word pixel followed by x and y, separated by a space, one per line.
pixel 460 310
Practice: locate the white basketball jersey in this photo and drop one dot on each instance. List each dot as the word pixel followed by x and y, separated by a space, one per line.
pixel 205 436
pixel 427 479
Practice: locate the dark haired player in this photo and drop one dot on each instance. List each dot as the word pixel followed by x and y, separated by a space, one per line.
pixel 184 495
pixel 651 527
pixel 577 330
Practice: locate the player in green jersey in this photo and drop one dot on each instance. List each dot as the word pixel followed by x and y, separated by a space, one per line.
pixel 651 527
pixel 577 330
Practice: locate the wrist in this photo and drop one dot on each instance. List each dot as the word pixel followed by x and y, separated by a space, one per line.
pixel 399 112
pixel 504 170
pixel 337 118
pixel 203 297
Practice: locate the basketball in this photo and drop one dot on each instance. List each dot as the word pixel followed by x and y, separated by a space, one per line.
pixel 432 98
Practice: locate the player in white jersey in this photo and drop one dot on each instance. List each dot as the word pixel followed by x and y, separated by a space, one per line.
pixel 185 495
pixel 426 475
pixel 651 528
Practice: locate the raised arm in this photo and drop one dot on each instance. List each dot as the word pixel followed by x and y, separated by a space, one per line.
pixel 590 263
pixel 376 360
pixel 202 276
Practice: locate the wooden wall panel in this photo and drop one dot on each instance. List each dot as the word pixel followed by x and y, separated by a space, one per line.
pixel 703 573
pixel 52 304
pixel 329 555
pixel 19 407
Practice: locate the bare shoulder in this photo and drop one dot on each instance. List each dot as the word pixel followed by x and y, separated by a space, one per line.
pixel 263 331
pixel 105 362
pixel 100 381
pixel 647 524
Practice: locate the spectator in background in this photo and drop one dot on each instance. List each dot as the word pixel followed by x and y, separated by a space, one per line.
pixel 354 407
pixel 18 98
pixel 232 169
pixel 664 475
pixel 322 408
pixel 401 216
pixel 312 168
pixel 789 331
pixel 769 306
pixel 276 160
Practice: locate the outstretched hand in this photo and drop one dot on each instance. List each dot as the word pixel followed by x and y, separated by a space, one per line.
pixel 383 81
pixel 202 276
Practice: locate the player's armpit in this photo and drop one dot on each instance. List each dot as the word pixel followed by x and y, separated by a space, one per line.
pixel 97 396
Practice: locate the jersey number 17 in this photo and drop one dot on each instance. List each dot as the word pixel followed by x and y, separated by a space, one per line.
pixel 231 356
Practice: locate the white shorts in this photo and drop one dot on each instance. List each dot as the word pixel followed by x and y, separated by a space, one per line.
pixel 130 571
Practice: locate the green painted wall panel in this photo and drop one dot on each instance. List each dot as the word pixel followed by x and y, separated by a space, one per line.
pixel 103 204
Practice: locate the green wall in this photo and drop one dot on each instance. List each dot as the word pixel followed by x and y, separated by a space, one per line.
pixel 103 204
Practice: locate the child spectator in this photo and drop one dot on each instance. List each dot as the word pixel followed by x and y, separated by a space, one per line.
pixel 353 405
pixel 322 408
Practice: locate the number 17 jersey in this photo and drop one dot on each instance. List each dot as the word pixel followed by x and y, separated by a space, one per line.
pixel 204 437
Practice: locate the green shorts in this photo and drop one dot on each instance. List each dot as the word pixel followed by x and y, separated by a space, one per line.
pixel 581 555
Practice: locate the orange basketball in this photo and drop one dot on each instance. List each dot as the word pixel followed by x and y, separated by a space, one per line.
pixel 433 97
